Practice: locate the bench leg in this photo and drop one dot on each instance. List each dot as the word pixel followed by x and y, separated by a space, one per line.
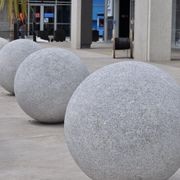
pixel 114 56
pixel 131 53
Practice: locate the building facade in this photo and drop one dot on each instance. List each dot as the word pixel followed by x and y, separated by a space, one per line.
pixel 152 25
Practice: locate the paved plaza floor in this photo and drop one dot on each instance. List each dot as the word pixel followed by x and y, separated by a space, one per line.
pixel 33 151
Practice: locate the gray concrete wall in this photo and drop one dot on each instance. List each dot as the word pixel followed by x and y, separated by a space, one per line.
pixel 153 29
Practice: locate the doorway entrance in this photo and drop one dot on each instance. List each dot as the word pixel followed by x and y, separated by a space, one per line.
pixel 41 17
pixel 124 18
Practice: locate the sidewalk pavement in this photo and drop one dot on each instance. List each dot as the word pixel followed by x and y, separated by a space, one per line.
pixel 33 151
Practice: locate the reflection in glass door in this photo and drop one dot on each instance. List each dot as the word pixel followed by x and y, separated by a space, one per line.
pixel 41 18
pixel 34 19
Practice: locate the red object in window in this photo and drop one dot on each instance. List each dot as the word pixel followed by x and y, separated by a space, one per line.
pixel 37 15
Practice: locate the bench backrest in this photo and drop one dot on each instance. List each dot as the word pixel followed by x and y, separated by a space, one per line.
pixel 121 43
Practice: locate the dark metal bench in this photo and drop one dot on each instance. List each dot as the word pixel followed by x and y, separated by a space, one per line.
pixel 43 35
pixel 121 44
pixel 59 35
pixel 95 35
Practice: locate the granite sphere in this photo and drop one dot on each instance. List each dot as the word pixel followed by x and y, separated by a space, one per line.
pixel 11 56
pixel 3 42
pixel 45 82
pixel 123 123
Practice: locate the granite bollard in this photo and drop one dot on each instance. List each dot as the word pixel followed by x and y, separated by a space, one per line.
pixel 123 123
pixel 11 56
pixel 45 82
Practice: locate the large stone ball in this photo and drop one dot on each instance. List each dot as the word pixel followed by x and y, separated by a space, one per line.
pixel 123 123
pixel 3 42
pixel 11 56
pixel 45 82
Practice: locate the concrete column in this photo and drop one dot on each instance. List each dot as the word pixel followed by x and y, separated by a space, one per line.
pixel 41 18
pixel 153 27
pixel 55 17
pixel 105 21
pixel 116 19
pixel 81 23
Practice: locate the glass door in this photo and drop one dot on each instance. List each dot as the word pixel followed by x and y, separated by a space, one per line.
pixel 34 19
pixel 64 18
pixel 48 19
pixel 41 18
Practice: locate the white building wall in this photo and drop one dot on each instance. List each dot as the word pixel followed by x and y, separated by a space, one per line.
pixel 141 29
pixel 81 23
pixel 153 29
pixel 76 24
pixel 116 18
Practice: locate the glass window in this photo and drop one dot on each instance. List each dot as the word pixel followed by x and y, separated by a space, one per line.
pixel 63 0
pixel 64 18
pixel 63 14
pixel 65 27
pixel 51 18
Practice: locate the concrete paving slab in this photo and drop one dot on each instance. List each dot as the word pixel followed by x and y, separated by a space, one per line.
pixel 31 150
